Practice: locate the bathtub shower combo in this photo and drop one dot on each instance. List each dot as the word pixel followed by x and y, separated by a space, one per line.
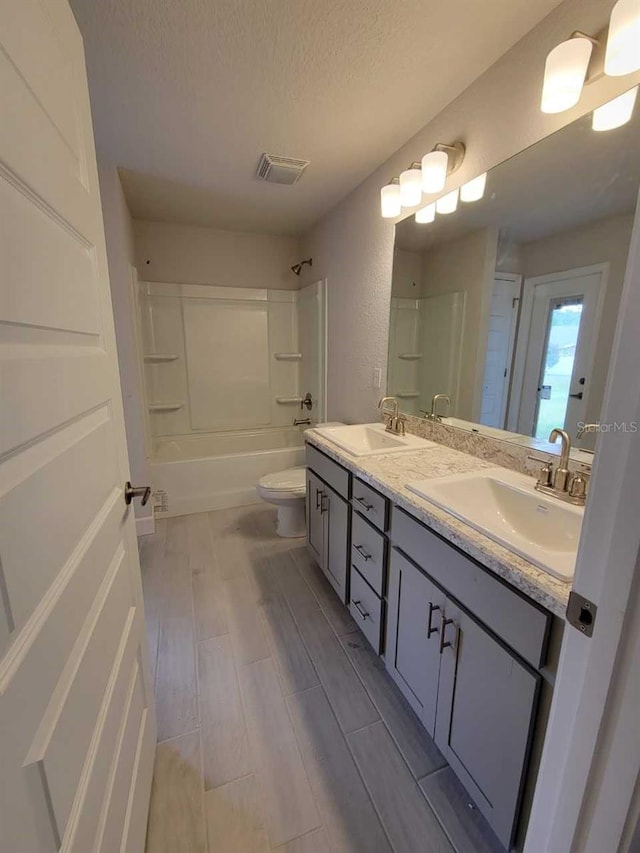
pixel 225 371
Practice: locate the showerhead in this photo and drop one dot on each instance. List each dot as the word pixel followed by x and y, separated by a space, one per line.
pixel 297 268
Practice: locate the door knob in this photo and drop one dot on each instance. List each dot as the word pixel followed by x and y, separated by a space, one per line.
pixel 131 492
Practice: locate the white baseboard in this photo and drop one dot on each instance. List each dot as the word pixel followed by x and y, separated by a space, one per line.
pixel 145 526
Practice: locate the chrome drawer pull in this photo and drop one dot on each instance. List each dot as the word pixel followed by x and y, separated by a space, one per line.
pixel 362 612
pixel 363 503
pixel 430 629
pixel 362 552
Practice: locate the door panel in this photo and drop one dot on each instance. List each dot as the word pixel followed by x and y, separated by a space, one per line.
pixel 315 520
pixel 412 644
pixel 336 514
pixel 71 616
pixel 486 708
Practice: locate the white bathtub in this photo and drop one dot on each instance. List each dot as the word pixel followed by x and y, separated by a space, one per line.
pixel 216 471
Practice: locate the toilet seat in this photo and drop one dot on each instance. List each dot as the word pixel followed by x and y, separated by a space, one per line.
pixel 288 482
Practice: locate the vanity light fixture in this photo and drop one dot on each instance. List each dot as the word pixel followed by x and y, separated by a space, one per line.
pixel 565 72
pixel 437 164
pixel 390 203
pixel 622 54
pixel 615 113
pixel 426 214
pixel 411 186
pixel 473 190
pixel 447 203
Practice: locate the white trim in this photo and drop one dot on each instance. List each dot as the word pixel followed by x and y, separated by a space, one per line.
pixel 591 755
pixel 146 525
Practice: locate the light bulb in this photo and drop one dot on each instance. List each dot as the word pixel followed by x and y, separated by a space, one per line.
pixel 615 113
pixel 448 203
pixel 426 214
pixel 564 74
pixel 434 171
pixel 622 55
pixel 411 187
pixel 473 190
pixel 390 204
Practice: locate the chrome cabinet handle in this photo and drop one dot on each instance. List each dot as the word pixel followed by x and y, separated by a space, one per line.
pixel 443 627
pixel 363 503
pixel 362 552
pixel 430 628
pixel 131 492
pixel 358 607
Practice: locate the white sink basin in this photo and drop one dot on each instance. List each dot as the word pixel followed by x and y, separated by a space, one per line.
pixel 370 439
pixel 505 506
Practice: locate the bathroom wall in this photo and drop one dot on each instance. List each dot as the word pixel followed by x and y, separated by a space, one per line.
pixel 194 255
pixel 352 246
pixel 120 253
pixel 604 241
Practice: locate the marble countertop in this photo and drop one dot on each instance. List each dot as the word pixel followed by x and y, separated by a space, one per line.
pixel 388 473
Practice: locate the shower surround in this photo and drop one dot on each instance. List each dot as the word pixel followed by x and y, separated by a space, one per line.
pixel 224 371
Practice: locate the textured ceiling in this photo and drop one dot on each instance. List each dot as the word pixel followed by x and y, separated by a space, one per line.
pixel 571 178
pixel 186 94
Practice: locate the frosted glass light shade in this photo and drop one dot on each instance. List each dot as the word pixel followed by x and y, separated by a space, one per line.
pixel 564 74
pixel 426 214
pixel 448 203
pixel 622 54
pixel 473 190
pixel 411 187
pixel 390 204
pixel 615 113
pixel 434 171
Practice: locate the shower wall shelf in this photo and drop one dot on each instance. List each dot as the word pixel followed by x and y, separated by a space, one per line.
pixel 166 407
pixel 410 356
pixel 284 401
pixel 160 357
pixel 407 395
pixel 288 356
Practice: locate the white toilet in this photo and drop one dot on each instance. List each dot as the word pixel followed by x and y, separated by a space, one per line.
pixel 287 490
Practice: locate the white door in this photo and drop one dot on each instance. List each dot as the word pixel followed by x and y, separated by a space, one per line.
pixel 77 726
pixel 500 340
pixel 559 329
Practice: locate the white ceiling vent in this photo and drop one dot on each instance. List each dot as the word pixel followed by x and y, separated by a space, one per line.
pixel 280 170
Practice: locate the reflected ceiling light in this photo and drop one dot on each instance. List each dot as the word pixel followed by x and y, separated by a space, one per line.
pixel 615 113
pixel 448 203
pixel 437 164
pixel 426 214
pixel 411 186
pixel 390 204
pixel 473 190
pixel 622 55
pixel 564 73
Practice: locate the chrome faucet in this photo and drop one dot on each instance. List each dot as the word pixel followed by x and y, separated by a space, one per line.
pixel 395 422
pixel 560 482
pixel 433 415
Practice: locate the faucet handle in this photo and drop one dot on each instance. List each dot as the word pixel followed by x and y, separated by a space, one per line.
pixel 545 477
pixel 578 485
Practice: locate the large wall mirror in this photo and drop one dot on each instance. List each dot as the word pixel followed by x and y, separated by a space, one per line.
pixel 509 304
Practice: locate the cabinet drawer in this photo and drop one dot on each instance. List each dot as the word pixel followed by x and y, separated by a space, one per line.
pixel 368 552
pixel 367 609
pixel 521 623
pixel 328 470
pixel 371 504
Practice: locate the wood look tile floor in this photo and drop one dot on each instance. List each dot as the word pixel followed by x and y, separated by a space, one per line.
pixel 278 727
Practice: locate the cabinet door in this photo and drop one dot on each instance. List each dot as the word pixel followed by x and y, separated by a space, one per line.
pixel 486 706
pixel 315 519
pixel 412 649
pixel 335 512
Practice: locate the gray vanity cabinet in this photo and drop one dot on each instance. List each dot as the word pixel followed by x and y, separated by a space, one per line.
pixel 328 531
pixel 487 700
pixel 412 650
